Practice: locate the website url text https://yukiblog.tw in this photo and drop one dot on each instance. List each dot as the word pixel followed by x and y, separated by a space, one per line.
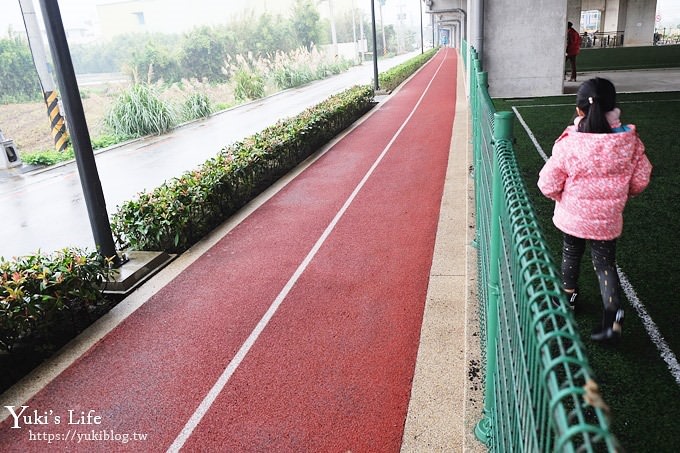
pixel 81 426
pixel 74 435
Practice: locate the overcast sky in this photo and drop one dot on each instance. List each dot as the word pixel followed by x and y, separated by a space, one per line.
pixel 669 11
pixel 76 12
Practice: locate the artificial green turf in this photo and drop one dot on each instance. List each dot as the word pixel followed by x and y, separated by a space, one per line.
pixel 612 58
pixel 634 380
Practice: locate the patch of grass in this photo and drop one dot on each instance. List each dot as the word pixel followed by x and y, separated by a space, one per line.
pixel 52 156
pixel 223 106
pixel 104 141
pixel 634 380
pixel 48 157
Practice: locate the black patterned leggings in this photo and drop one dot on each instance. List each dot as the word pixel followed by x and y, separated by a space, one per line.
pixel 603 254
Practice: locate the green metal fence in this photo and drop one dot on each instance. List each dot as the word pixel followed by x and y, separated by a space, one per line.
pixel 539 392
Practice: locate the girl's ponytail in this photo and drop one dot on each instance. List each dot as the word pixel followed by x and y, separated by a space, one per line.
pixel 596 97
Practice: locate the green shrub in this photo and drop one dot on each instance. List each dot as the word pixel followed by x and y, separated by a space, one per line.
pixel 48 157
pixel 248 84
pixel 393 77
pixel 180 212
pixel 196 106
pixel 139 112
pixel 35 288
pixel 18 78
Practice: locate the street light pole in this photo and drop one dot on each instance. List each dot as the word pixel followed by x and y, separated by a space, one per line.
pixel 87 168
pixel 376 85
pixel 382 27
pixel 422 43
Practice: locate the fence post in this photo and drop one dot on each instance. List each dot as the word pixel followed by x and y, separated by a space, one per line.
pixel 482 87
pixel 502 131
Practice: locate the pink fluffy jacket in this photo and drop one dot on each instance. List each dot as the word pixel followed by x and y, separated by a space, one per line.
pixel 591 177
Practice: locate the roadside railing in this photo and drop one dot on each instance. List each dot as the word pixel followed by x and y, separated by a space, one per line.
pixel 603 39
pixel 540 395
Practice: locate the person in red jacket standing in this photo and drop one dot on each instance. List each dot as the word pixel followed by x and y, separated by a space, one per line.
pixel 573 49
pixel 596 166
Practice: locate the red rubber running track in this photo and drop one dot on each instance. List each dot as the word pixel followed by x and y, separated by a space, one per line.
pixel 298 331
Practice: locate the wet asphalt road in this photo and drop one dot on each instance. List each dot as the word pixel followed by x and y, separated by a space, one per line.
pixel 45 210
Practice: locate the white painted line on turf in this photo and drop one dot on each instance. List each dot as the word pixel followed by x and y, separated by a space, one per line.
pixel 571 104
pixel 531 134
pixel 652 330
pixel 650 326
pixel 222 381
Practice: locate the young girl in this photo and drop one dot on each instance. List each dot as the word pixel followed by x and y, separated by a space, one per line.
pixel 596 165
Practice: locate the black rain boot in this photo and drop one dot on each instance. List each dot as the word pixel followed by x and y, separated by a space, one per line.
pixel 572 299
pixel 612 323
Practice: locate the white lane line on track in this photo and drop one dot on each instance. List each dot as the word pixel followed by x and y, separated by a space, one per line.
pixel 650 326
pixel 221 382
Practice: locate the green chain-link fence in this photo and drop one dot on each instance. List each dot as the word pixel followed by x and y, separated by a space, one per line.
pixel 539 392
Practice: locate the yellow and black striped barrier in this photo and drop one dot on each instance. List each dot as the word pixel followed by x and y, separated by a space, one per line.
pixel 57 124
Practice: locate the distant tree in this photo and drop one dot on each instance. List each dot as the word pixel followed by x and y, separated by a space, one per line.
pixel 272 34
pixel 390 39
pixel 96 57
pixel 154 62
pixel 203 54
pixel 238 34
pixel 305 23
pixel 18 78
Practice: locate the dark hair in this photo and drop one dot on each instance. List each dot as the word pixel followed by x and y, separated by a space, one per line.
pixel 569 24
pixel 595 97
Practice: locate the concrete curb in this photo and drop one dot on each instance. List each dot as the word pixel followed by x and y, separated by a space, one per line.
pixel 446 396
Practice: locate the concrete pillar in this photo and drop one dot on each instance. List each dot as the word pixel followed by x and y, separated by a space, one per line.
pixel 475 24
pixel 614 16
pixel 524 47
pixel 640 20
pixel 574 15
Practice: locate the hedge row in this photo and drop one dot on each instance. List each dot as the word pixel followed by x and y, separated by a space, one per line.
pixel 35 289
pixel 183 210
pixel 392 78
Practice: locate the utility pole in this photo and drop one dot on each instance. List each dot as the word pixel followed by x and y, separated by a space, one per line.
pixel 334 37
pixel 363 48
pixel 422 44
pixel 35 42
pixel 382 26
pixel 401 39
pixel 354 32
